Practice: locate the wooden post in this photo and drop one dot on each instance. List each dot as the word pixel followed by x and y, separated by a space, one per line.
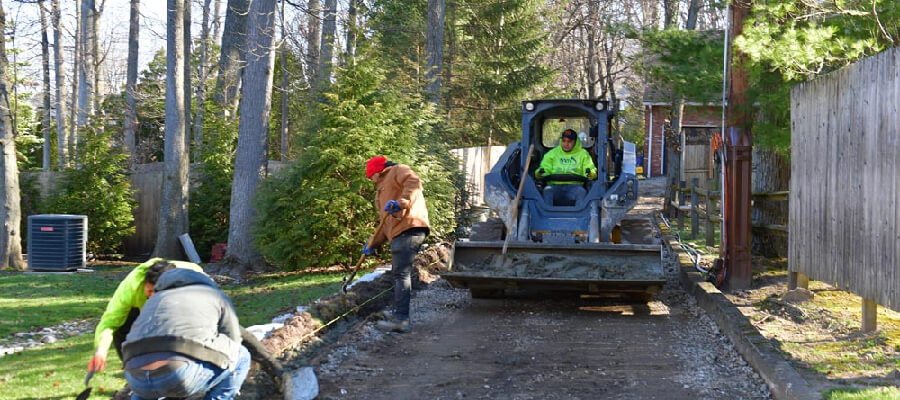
pixel 709 228
pixel 695 218
pixel 681 186
pixel 797 280
pixel 869 315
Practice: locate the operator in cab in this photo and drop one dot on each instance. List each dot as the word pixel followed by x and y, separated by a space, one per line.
pixel 568 158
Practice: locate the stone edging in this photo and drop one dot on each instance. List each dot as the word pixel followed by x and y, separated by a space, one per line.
pixel 783 380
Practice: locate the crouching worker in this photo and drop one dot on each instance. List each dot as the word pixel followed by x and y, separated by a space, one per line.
pixel 125 306
pixel 186 341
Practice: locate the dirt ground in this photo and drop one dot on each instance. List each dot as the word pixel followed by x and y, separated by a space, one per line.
pixel 821 336
pixel 539 347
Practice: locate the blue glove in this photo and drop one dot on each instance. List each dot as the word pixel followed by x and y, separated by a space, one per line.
pixel 392 206
pixel 367 251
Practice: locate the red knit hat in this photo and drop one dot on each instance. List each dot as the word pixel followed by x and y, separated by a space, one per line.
pixel 374 166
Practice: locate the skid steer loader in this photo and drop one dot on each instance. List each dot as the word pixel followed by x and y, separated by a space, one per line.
pixel 558 244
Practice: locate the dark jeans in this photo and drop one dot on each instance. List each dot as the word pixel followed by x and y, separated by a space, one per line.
pixel 403 251
pixel 120 334
pixel 191 379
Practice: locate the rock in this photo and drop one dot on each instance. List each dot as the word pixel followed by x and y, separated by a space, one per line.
pixel 895 374
pixel 48 339
pixel 798 295
pixel 301 384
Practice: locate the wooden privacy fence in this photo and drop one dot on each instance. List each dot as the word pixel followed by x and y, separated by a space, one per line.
pixel 475 162
pixel 845 184
pixel 146 181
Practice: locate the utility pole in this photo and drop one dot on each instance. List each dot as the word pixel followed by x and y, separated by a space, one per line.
pixel 739 146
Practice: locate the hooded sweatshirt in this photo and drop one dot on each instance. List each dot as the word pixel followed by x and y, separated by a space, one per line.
pixel 187 314
pixel 575 162
pixel 129 294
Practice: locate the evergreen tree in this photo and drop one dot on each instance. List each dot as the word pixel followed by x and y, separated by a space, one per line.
pixel 101 169
pixel 399 27
pixel 791 41
pixel 319 210
pixel 495 67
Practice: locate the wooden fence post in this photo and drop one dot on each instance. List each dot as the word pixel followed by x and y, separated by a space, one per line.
pixel 681 186
pixel 695 218
pixel 869 315
pixel 797 280
pixel 709 228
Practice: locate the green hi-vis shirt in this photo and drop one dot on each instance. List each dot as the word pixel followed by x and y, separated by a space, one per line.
pixel 129 294
pixel 576 162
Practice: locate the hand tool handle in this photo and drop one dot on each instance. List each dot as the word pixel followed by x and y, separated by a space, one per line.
pixel 363 257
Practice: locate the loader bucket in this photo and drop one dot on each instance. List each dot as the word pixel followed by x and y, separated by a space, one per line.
pixel 587 268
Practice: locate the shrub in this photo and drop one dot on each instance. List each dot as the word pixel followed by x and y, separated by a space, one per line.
pixel 98 187
pixel 211 199
pixel 319 210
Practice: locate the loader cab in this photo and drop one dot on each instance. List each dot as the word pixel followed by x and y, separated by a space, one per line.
pixel 542 126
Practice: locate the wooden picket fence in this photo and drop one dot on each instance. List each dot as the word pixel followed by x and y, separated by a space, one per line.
pixel 705 209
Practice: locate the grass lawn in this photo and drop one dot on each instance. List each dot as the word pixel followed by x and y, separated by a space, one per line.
pixel 880 393
pixel 31 301
pixel 57 371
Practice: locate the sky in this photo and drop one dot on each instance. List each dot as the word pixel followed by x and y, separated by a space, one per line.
pixel 114 34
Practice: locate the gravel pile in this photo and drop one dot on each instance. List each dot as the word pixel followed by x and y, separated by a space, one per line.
pixel 26 340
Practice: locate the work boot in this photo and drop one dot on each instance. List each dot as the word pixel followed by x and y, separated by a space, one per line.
pixel 394 325
pixel 385 315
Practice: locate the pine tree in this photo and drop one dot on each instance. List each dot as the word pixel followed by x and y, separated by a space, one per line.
pixel 495 67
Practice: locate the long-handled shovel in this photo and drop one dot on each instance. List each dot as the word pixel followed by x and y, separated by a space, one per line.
pixel 87 392
pixel 514 210
pixel 348 280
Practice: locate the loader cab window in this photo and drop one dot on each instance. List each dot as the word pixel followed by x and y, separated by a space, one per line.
pixel 553 127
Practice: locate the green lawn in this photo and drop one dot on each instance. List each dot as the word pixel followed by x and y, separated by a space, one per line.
pixel 57 371
pixel 31 301
pixel 876 393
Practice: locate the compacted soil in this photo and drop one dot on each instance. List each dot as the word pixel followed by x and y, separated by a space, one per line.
pixel 541 347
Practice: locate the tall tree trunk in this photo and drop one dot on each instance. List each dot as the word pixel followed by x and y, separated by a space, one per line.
pixel 45 64
pixel 216 22
pixel 327 46
pixel 96 57
pixel 78 62
pixel 670 16
pixel 451 53
pixel 86 70
pixel 62 141
pixel 593 71
pixel 253 131
pixel 351 26
pixel 232 56
pixel 693 12
pixel 131 80
pixel 202 73
pixel 173 213
pixel 285 141
pixel 434 49
pixel 187 79
pixel 10 213
pixel 312 42
pixel 674 173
